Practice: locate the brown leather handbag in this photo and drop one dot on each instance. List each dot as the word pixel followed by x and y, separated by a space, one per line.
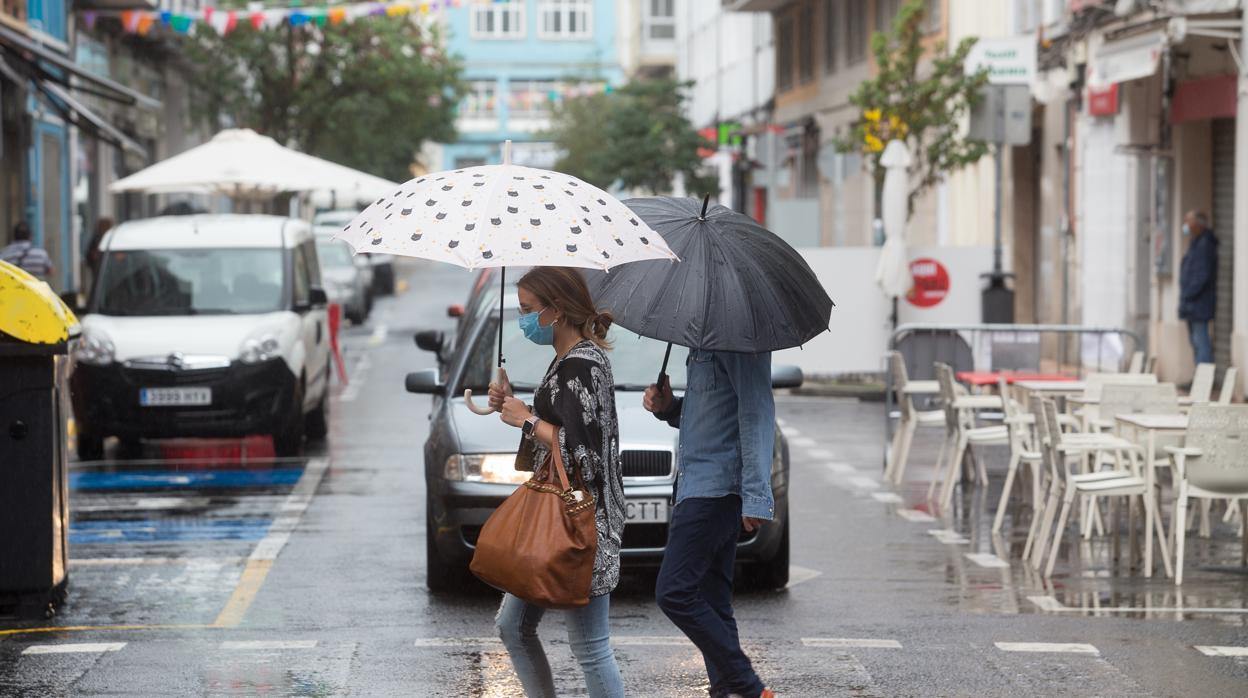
pixel 539 545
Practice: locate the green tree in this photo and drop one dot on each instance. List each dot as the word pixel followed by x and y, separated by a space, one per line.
pixel 920 100
pixel 366 93
pixel 637 135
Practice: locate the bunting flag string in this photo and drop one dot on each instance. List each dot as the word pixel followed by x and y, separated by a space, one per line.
pixel 266 18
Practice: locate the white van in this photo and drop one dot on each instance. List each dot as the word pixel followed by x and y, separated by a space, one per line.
pixel 204 326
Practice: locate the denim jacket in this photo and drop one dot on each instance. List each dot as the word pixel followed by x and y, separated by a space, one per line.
pixel 727 428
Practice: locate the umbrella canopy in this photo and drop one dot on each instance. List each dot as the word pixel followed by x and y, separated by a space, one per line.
pixel 243 164
pixel 30 311
pixel 505 215
pixel 893 272
pixel 739 287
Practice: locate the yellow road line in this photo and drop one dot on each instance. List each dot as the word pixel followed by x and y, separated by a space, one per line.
pixel 401 286
pixel 248 586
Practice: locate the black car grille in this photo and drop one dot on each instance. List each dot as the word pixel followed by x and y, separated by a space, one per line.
pixel 646 463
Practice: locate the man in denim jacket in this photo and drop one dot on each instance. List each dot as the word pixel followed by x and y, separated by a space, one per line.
pixel 727 433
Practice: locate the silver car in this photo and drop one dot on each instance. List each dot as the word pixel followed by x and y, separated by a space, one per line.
pixel 470 459
pixel 344 281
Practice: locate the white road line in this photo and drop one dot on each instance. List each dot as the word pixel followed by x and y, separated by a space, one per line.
pixel 145 561
pixel 850 642
pixel 651 641
pixel 915 516
pixel 356 380
pixel 841 468
pixel 803 442
pixel 292 511
pixel 986 560
pixel 799 575
pixel 819 454
pixel 75 648
pixel 887 497
pixel 864 482
pixel 1221 651
pixel 948 536
pixel 379 334
pixel 458 641
pixel 261 645
pixel 1047 603
pixel 791 432
pixel 1063 647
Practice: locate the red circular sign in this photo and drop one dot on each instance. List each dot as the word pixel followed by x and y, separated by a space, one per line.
pixel 931 282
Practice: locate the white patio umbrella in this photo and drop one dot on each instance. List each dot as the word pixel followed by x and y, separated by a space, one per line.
pixel 893 272
pixel 243 164
pixel 504 215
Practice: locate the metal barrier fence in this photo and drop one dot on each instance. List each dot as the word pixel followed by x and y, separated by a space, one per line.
pixel 1072 350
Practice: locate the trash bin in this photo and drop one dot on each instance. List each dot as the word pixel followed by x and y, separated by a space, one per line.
pixel 37 332
pixel 998 299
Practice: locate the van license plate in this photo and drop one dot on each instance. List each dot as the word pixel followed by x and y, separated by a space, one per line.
pixel 645 511
pixel 174 397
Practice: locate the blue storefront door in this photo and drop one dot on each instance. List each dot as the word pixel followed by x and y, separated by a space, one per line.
pixel 48 200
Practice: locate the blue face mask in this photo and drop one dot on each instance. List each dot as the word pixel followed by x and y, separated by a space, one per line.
pixel 1187 230
pixel 534 330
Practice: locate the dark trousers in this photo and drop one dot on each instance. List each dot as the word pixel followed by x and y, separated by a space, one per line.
pixel 695 589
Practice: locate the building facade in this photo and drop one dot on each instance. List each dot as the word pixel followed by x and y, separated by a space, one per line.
pixel 521 58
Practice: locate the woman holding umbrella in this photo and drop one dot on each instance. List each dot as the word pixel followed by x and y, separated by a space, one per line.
pixel 574 411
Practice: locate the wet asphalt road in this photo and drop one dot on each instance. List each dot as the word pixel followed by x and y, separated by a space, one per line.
pixel 307 577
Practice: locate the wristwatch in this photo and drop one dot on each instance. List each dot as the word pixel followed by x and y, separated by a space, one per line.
pixel 529 426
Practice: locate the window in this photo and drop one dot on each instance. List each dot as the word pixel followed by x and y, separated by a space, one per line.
pixel 530 99
pixel 831 33
pixel 885 11
pixel 855 31
pixel 932 19
pixel 301 281
pixel 498 20
pixel 194 281
pixel 660 19
pixel 565 19
pixel 784 52
pixel 480 102
pixel 806 43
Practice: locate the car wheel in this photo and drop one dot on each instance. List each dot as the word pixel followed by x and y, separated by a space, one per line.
pixel 288 440
pixel 90 446
pixel 318 419
pixel 439 575
pixel 771 574
pixel 383 277
pixel 356 316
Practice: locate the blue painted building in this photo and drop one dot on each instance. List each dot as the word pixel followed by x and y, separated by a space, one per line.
pixel 521 57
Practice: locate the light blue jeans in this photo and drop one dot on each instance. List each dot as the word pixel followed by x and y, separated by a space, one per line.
pixel 589 634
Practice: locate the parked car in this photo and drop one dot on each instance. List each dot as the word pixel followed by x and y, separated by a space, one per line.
pixel 469 459
pixel 363 265
pixel 344 282
pixel 204 326
pixel 382 264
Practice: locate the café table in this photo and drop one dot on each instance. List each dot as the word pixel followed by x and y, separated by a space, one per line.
pixel 987 378
pixel 1145 428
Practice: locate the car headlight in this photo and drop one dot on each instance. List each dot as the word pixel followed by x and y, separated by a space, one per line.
pixel 94 349
pixel 497 468
pixel 257 349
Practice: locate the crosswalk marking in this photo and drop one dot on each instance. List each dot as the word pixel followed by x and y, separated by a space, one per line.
pixel 987 560
pixel 1222 651
pixel 1047 603
pixel 864 482
pixel 260 645
pixel 887 497
pixel 651 641
pixel 75 648
pixel 948 536
pixel 841 468
pixel 803 442
pixel 819 454
pixel 790 432
pixel 915 516
pixel 1062 647
pixel 457 641
pixel 850 642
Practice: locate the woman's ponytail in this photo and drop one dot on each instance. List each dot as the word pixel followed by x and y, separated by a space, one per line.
pixel 597 327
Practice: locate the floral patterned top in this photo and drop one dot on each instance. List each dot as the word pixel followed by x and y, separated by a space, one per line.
pixel 577 395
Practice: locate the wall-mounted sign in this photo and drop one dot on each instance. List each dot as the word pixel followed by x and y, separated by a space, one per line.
pixel 931 283
pixel 1103 101
pixel 1010 61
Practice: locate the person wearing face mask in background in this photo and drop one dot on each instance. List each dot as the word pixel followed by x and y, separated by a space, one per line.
pixel 1198 283
pixel 574 411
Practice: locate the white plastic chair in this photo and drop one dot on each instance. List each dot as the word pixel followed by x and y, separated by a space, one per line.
pixel 910 419
pixel 960 415
pixel 1022 452
pixel 1202 383
pixel 1137 363
pixel 1228 386
pixel 1213 464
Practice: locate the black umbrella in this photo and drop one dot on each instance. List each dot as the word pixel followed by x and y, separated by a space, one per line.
pixel 738 286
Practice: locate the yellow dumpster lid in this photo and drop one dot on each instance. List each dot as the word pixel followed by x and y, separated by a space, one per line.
pixel 30 311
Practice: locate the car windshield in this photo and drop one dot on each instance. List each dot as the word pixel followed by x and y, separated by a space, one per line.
pixel 334 254
pixel 191 282
pixel 635 360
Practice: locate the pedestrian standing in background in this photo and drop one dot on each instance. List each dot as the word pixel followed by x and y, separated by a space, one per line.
pixel 727 433
pixel 24 254
pixel 94 253
pixel 1198 283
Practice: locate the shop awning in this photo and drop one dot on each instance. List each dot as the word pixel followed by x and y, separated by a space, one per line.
pixel 1126 59
pixel 22 46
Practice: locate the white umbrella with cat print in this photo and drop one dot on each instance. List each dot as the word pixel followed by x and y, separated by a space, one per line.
pixel 504 215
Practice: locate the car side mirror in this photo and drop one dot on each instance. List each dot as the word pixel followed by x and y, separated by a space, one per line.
pixel 317 297
pixel 786 377
pixel 426 382
pixel 455 310
pixel 431 340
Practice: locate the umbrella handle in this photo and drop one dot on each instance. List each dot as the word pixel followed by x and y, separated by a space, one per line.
pixel 663 371
pixel 500 377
